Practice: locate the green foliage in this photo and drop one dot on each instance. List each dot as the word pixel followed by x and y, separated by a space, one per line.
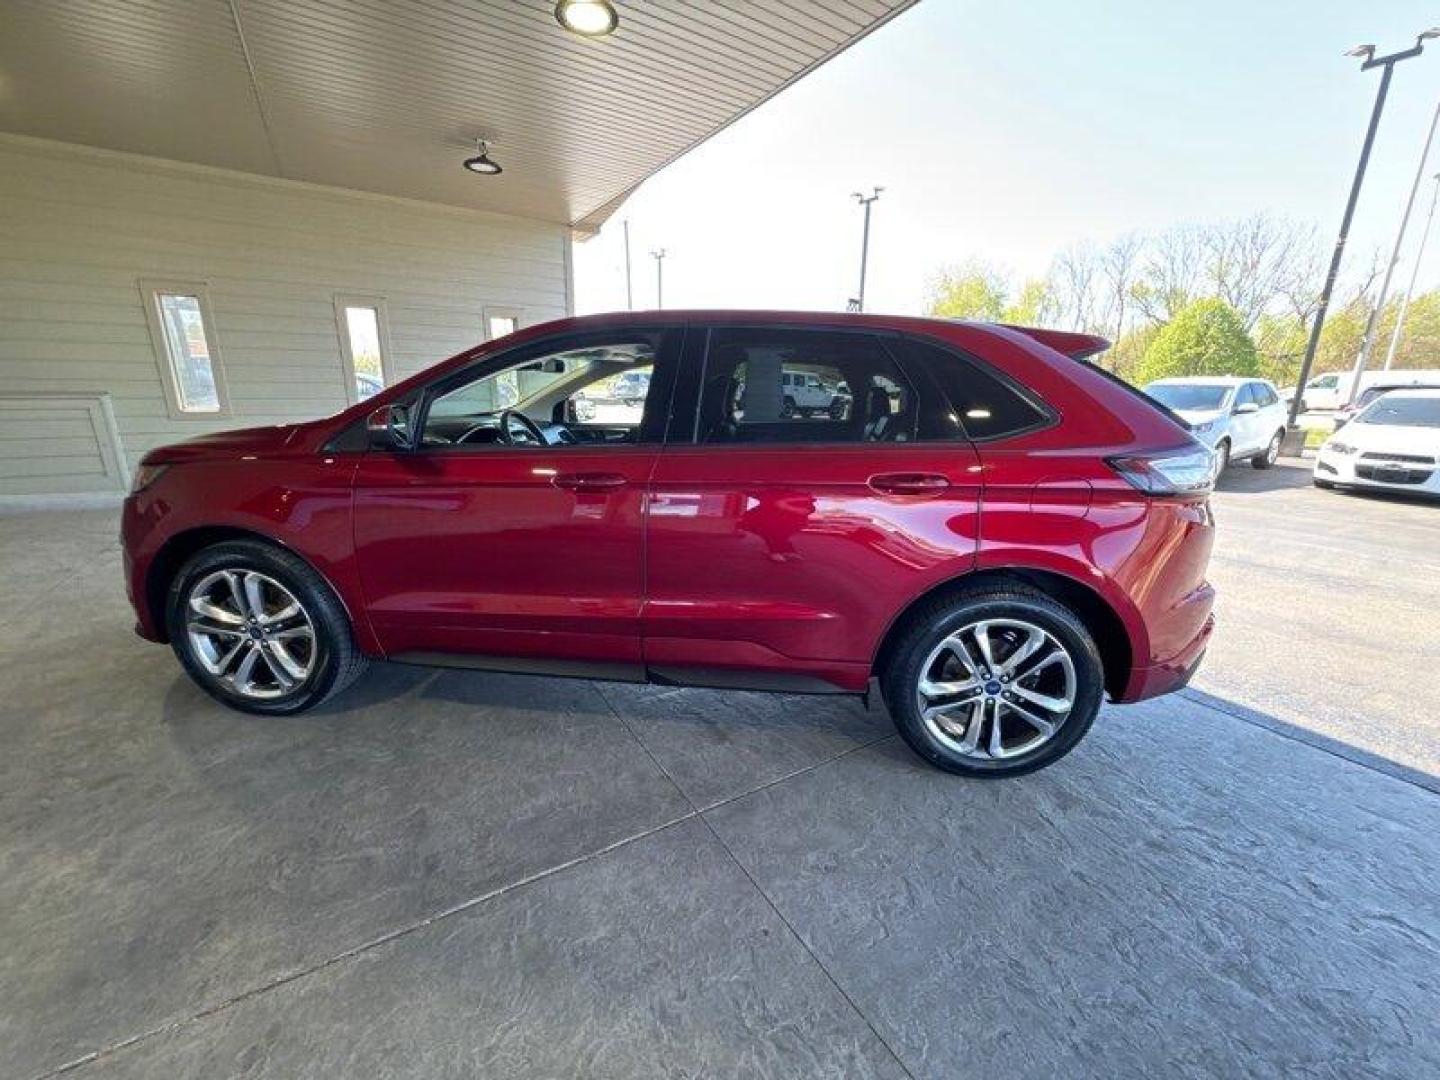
pixel 1206 337
pixel 972 291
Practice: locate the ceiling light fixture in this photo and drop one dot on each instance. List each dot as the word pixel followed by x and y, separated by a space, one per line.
pixel 588 18
pixel 481 162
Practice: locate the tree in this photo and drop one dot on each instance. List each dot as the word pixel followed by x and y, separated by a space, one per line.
pixel 1206 337
pixel 973 290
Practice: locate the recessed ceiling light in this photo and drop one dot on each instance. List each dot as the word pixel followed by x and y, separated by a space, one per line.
pixel 588 18
pixel 481 162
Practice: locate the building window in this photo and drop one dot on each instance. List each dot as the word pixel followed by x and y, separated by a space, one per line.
pixel 500 322
pixel 183 332
pixel 364 345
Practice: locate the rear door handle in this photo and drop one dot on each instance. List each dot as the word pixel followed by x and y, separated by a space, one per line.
pixel 908 483
pixel 589 481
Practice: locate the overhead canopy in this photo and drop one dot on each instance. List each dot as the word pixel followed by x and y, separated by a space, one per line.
pixel 389 95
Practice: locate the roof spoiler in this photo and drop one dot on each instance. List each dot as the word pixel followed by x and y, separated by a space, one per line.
pixel 1075 346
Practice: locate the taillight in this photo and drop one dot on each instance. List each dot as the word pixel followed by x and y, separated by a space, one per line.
pixel 1186 471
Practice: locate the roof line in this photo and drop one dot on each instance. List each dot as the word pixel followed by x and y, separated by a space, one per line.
pixel 234 6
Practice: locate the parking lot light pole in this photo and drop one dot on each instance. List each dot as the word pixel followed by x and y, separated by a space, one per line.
pixel 865 201
pixel 1414 273
pixel 659 256
pixel 1370 61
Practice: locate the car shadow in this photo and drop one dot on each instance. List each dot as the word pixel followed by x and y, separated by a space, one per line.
pixel 1242 479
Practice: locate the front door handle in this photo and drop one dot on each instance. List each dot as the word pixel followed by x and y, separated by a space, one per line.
pixel 589 481
pixel 909 483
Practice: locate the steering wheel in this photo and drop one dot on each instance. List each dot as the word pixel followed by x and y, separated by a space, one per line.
pixel 528 432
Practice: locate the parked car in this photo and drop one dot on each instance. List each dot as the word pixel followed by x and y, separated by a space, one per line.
pixel 1401 380
pixel 1393 444
pixel 998 532
pixel 1331 390
pixel 1239 419
pixel 807 394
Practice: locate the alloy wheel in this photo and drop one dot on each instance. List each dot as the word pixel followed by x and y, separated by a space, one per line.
pixel 996 689
pixel 250 633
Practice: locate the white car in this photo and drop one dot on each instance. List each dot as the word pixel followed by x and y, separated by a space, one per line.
pixel 1392 445
pixel 1332 390
pixel 1237 418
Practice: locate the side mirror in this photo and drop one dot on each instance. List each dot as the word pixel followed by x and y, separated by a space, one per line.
pixel 1246 408
pixel 388 428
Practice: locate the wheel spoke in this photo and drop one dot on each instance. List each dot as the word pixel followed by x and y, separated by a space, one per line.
pixel 215 612
pixel 945 689
pixel 997 747
pixel 209 625
pixel 1044 727
pixel 254 596
pixel 981 633
pixel 284 615
pixel 1045 701
pixel 242 679
pixel 1033 643
pixel 283 662
pixel 971 743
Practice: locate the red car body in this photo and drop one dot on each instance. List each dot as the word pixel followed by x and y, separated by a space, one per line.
pixel 761 566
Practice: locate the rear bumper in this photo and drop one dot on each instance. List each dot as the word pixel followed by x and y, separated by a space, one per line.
pixel 1172 674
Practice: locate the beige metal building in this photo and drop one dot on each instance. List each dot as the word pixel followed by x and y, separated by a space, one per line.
pixel 221 213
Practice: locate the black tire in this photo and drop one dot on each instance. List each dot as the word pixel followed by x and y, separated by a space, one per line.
pixel 336 661
pixel 1268 456
pixel 934 622
pixel 837 409
pixel 787 408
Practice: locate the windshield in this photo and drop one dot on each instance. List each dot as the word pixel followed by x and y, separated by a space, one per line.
pixel 1403 410
pixel 1196 397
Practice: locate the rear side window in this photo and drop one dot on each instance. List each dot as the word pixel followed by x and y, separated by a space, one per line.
pixel 802 386
pixel 977 404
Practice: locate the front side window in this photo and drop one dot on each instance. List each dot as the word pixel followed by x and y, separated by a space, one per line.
pixel 1265 395
pixel 802 386
pixel 180 323
pixel 595 394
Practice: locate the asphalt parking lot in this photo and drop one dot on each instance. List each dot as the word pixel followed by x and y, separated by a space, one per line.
pixel 461 874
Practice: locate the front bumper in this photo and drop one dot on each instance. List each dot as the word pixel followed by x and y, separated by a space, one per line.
pixel 1377 473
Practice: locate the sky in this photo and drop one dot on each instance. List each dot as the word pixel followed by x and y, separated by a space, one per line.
pixel 1006 132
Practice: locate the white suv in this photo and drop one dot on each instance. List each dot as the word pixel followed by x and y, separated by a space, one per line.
pixel 806 393
pixel 1237 418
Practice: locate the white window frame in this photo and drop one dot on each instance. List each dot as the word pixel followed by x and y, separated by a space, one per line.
pixel 342 329
pixel 488 313
pixel 151 290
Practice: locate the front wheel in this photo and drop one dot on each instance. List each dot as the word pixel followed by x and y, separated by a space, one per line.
pixel 994 682
pixel 259 630
pixel 1271 453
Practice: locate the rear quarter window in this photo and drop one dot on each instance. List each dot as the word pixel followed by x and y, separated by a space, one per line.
pixel 973 401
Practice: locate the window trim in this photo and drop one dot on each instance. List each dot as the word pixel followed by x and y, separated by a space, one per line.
pixel 342 330
pixel 500 311
pixel 685 426
pixel 151 290
pixel 1049 416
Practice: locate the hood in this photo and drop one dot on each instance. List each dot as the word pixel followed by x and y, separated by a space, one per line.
pixel 1197 417
pixel 1392 438
pixel 233 444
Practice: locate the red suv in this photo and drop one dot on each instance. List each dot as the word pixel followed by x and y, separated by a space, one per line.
pixel 996 531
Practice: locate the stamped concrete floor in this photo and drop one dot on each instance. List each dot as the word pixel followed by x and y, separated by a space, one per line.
pixel 448 874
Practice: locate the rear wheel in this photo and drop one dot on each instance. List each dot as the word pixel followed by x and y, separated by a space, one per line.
pixel 787 408
pixel 1270 454
pixel 259 630
pixel 995 682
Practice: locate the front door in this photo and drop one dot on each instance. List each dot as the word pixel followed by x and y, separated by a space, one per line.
pixel 513 532
pixel 782 540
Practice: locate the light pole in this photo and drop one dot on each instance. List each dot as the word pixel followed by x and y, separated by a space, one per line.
pixel 659 256
pixel 629 294
pixel 1414 273
pixel 1370 61
pixel 865 201
pixel 1372 324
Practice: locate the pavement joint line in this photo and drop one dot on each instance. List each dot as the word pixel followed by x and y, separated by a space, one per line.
pixel 1357 756
pixel 403 931
pixel 760 891
pixel 357 950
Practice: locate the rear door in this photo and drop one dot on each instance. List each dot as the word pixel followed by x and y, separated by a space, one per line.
pixel 780 545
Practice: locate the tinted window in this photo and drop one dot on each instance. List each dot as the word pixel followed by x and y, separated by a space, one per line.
pixel 794 386
pixel 977 403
